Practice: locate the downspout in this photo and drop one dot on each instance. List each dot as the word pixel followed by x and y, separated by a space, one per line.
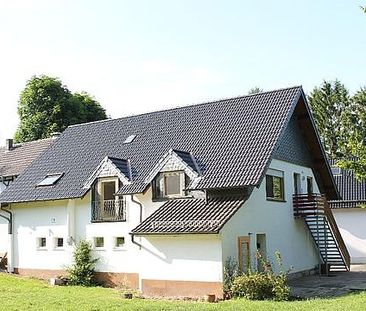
pixel 132 235
pixel 10 237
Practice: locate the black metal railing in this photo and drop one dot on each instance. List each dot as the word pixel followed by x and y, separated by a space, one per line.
pixel 108 210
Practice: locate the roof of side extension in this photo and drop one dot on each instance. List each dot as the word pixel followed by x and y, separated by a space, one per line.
pixel 13 162
pixel 232 141
pixel 183 216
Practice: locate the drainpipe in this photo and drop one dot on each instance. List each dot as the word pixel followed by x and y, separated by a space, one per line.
pixel 139 204
pixel 10 237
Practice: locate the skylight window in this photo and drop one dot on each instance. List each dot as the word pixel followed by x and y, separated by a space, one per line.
pixel 50 180
pixel 129 139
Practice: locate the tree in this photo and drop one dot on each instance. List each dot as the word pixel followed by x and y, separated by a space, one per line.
pixel 255 90
pixel 47 106
pixel 330 104
pixel 356 128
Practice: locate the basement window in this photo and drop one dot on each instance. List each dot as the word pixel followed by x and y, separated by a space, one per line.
pixel 50 180
pixel 98 242
pixel 41 243
pixel 59 242
pixel 119 242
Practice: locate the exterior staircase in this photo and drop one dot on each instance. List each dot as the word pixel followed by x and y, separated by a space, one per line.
pixel 315 211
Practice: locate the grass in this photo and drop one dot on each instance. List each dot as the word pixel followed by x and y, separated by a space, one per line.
pixel 18 293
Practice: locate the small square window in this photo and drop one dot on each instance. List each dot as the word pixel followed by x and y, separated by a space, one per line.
pixel 50 180
pixel 42 242
pixel 59 242
pixel 275 185
pixel 119 241
pixel 98 242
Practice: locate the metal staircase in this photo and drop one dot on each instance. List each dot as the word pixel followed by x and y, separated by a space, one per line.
pixel 315 211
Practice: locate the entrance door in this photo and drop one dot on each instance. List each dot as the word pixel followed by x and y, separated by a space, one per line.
pixel 244 253
pixel 297 183
pixel 261 249
pixel 309 182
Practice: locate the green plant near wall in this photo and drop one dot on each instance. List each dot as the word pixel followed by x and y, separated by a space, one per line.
pixel 82 272
pixel 266 284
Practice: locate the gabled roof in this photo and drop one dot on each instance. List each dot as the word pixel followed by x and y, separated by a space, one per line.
pixel 111 167
pixel 173 159
pixel 14 161
pixel 184 216
pixel 352 191
pixel 232 141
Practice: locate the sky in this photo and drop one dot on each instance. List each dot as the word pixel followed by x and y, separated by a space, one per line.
pixel 136 56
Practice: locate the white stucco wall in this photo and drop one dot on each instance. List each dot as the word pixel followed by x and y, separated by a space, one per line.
pixel 284 233
pixel 352 224
pixel 191 258
pixel 3 228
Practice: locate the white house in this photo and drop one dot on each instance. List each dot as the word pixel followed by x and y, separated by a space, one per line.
pixel 350 212
pixel 14 159
pixel 167 197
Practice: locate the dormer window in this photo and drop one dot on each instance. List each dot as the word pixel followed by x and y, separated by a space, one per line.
pixel 167 185
pixel 106 205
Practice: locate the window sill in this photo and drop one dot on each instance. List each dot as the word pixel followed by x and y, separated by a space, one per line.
pixel 58 249
pixel 276 200
pixel 42 249
pixel 119 249
pixel 171 198
pixel 99 249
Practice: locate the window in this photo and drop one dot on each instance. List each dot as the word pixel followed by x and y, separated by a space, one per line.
pixel 169 185
pixel 119 242
pixel 129 139
pixel 310 185
pixel 59 242
pixel 98 242
pixel 41 242
pixel 108 190
pixel 275 185
pixel 336 171
pixel 50 180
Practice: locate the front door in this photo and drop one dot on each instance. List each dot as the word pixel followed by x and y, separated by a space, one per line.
pixel 244 253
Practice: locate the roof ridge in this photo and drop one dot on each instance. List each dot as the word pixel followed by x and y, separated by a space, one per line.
pixel 187 106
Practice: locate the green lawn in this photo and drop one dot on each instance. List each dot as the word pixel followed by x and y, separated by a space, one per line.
pixel 29 294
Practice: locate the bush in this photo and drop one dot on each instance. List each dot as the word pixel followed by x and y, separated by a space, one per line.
pixel 82 272
pixel 231 271
pixel 262 285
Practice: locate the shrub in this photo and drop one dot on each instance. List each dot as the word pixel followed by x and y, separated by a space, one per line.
pixel 231 271
pixel 262 285
pixel 82 272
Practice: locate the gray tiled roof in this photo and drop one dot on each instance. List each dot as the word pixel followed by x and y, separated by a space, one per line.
pixel 352 191
pixel 232 141
pixel 191 216
pixel 122 165
pixel 16 160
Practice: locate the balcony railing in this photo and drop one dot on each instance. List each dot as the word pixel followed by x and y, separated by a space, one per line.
pixel 108 210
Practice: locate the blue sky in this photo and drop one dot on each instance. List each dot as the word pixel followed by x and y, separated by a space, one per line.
pixel 139 56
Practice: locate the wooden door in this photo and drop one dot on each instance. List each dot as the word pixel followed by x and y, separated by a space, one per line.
pixel 244 253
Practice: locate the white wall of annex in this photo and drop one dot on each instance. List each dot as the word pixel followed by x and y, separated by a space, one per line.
pixel 352 225
pixel 3 228
pixel 183 257
pixel 284 233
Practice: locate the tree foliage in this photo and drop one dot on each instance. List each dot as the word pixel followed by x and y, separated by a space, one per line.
pixel 255 90
pixel 47 106
pixel 330 105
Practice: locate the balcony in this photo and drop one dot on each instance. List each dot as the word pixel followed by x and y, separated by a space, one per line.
pixel 108 211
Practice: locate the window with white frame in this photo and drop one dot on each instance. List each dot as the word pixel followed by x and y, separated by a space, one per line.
pixel 169 185
pixel 41 242
pixel 59 242
pixel 99 242
pixel 275 185
pixel 119 242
